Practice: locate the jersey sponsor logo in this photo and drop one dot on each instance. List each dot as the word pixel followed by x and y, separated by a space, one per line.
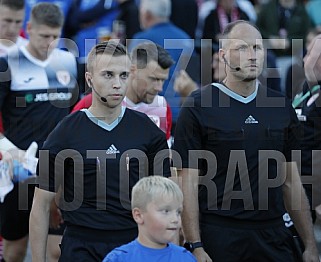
pixel 43 97
pixel 251 120
pixel 63 77
pixel 112 150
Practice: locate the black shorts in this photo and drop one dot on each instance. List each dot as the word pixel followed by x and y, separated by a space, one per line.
pixel 230 240
pixel 15 211
pixel 84 244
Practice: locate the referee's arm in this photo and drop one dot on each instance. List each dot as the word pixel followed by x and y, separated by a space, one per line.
pixel 190 214
pixel 39 223
pixel 297 205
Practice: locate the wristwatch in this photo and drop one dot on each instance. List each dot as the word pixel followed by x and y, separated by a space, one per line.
pixel 192 246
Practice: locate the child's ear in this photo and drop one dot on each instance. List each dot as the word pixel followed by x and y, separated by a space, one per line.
pixel 138 215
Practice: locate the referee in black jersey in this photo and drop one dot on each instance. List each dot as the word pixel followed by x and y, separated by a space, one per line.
pixel 235 140
pixel 94 157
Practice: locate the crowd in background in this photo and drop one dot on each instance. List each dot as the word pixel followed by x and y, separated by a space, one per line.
pixel 285 24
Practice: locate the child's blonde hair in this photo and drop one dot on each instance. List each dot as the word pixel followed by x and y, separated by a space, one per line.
pixel 150 188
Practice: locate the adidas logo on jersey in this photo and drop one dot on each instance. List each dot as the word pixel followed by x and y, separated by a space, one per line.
pixel 112 150
pixel 251 120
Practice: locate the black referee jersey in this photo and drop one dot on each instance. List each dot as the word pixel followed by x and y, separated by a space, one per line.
pixel 236 135
pixel 98 164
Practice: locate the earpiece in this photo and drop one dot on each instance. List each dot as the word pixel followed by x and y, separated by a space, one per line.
pixel 237 68
pixel 103 99
pixel 91 84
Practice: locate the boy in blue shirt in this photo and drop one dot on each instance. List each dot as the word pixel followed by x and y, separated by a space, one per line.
pixel 157 204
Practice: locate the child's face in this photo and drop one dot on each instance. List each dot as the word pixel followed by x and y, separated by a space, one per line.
pixel 161 222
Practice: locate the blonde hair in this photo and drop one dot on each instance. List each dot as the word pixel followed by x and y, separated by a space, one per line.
pixel 150 188
pixel 111 47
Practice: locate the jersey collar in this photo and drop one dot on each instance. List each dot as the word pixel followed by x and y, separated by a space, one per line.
pixel 103 124
pixel 232 94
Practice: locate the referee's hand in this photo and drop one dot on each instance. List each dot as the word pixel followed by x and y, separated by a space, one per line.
pixel 201 255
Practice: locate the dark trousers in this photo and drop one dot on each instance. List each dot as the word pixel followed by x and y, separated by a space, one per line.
pixel 230 240
pixel 84 244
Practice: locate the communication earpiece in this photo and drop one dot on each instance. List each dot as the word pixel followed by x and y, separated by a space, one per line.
pixel 225 61
pixel 237 68
pixel 91 83
pixel 103 99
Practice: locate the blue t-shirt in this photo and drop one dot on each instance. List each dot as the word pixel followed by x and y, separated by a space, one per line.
pixel 135 252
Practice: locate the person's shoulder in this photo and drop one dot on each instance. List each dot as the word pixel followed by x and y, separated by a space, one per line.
pixel 137 116
pixel 63 55
pixel 11 57
pixel 84 103
pixel 182 252
pixel 267 93
pixel 143 121
pixel 121 253
pixel 159 101
pixel 212 13
pixel 72 118
pixel 204 92
pixel 140 35
pixel 14 53
pixel 178 31
pixel 21 41
pixel 272 92
pixel 193 99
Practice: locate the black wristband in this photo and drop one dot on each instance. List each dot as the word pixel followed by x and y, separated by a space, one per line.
pixel 192 246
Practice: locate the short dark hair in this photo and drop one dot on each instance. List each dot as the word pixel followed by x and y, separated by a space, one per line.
pixel 111 47
pixel 146 52
pixel 47 14
pixel 13 4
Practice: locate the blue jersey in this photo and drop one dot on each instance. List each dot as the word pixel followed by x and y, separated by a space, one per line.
pixel 135 252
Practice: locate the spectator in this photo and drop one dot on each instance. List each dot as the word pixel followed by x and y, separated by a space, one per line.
pixel 129 16
pixel 87 23
pixel 225 12
pixel 207 6
pixel 283 20
pixel 313 8
pixel 184 14
pixel 154 20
